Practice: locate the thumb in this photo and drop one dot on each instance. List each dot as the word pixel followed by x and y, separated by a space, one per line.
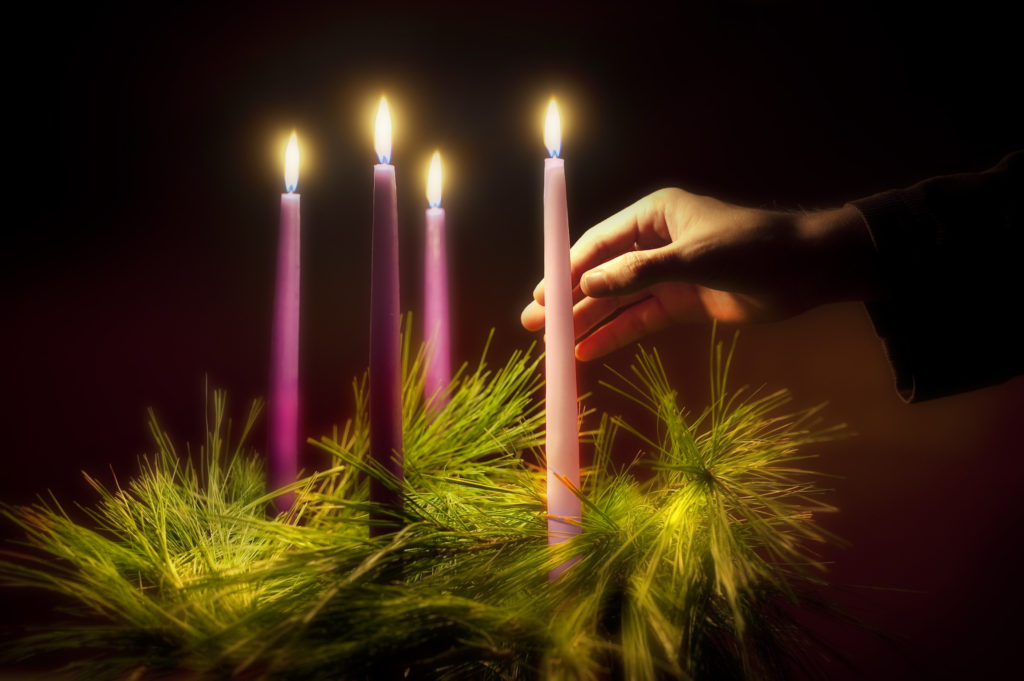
pixel 631 272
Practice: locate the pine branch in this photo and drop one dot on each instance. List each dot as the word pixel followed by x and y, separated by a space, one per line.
pixel 691 574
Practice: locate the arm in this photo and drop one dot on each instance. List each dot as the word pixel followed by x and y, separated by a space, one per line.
pixel 675 257
pixel 935 264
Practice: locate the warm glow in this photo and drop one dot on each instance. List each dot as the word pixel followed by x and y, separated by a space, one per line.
pixel 553 130
pixel 382 132
pixel 291 164
pixel 434 181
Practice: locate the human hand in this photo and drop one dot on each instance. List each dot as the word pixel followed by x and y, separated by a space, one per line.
pixel 676 257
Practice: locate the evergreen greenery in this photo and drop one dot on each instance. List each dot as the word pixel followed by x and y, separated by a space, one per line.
pixel 691 573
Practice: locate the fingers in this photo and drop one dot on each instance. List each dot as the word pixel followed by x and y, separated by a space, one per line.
pixel 635 322
pixel 631 272
pixel 616 322
pixel 644 313
pixel 586 313
pixel 532 316
pixel 590 312
pixel 538 292
pixel 639 225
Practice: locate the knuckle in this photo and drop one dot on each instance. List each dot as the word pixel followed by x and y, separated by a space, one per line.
pixel 668 194
pixel 662 208
pixel 657 201
pixel 603 248
pixel 635 264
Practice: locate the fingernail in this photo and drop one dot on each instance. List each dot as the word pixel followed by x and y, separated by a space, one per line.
pixel 593 282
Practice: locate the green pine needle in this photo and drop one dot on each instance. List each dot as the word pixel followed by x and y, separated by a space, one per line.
pixel 690 574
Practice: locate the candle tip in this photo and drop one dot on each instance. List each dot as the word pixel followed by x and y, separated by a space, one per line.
pixel 553 130
pixel 291 164
pixel 434 181
pixel 382 132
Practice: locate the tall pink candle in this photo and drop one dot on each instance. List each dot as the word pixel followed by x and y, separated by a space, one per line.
pixel 562 438
pixel 435 291
pixel 385 343
pixel 284 369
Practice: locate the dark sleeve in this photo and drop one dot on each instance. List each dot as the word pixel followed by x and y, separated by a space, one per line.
pixel 952 263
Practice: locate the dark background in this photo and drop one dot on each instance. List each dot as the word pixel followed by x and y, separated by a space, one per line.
pixel 144 170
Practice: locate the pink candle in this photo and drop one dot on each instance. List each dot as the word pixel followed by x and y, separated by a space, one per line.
pixel 562 437
pixel 435 291
pixel 385 344
pixel 284 370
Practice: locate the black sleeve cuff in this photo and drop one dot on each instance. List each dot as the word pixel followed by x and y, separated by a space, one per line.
pixel 949 252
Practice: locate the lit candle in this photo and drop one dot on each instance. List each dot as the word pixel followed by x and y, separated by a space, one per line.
pixel 435 315
pixel 385 344
pixel 562 437
pixel 284 370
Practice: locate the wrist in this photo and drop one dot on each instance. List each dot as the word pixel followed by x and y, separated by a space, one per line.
pixel 843 259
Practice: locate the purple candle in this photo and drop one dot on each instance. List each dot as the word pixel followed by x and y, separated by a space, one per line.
pixel 435 288
pixel 284 370
pixel 385 344
pixel 562 444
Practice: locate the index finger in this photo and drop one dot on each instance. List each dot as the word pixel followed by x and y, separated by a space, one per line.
pixel 613 236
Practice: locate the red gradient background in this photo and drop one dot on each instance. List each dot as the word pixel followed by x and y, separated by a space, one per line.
pixel 145 159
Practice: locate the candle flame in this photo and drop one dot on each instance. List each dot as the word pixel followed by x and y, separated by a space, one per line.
pixel 553 130
pixel 291 164
pixel 382 132
pixel 434 181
